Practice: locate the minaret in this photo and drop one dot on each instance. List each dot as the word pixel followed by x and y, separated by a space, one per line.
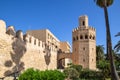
pixel 84 44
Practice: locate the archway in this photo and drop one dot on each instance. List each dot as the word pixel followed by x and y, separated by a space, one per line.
pixel 61 58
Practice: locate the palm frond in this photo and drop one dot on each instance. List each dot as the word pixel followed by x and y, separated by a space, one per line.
pixel 118 34
pixel 117 46
pixel 95 0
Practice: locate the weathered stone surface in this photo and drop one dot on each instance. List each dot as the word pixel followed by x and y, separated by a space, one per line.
pixel 20 53
pixel 84 44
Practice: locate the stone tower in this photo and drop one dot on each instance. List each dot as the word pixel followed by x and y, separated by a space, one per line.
pixel 84 44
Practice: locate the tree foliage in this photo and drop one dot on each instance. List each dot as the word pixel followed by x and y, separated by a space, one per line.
pixel 99 53
pixel 104 4
pixel 104 67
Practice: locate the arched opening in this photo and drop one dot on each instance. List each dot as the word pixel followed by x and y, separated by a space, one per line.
pixel 73 38
pixel 63 63
pixel 83 23
pixel 93 37
pixel 81 37
pixel 86 36
pixel 90 36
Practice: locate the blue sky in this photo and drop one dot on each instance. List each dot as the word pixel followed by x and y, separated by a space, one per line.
pixel 60 17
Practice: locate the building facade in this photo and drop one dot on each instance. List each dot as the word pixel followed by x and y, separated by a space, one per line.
pixel 65 47
pixel 84 44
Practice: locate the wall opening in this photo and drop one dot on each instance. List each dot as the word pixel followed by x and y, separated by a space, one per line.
pixel 83 23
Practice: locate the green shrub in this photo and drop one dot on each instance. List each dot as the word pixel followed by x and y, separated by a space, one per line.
pixel 71 73
pixel 33 74
pixel 91 75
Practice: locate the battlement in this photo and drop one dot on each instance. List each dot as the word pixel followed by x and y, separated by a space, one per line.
pixel 76 29
pixel 92 28
pixel 82 28
pixel 31 40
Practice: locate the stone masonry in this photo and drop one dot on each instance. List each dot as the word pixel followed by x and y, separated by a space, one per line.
pixel 19 52
pixel 84 44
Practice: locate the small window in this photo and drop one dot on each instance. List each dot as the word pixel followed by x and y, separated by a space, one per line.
pixel 84 49
pixel 56 46
pixel 75 49
pixel 83 60
pixel 92 49
pixel 30 39
pixel 92 59
pixel 35 42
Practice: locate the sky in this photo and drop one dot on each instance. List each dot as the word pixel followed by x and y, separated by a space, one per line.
pixel 60 17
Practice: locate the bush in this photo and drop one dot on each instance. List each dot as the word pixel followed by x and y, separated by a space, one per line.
pixel 91 75
pixel 33 74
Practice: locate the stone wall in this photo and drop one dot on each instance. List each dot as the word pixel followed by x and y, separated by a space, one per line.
pixel 18 54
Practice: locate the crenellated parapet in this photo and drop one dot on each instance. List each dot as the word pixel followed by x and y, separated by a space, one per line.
pixel 92 28
pixel 32 41
pixel 82 29
pixel 76 29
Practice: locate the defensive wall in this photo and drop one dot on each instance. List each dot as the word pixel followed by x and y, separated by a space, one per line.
pixel 18 54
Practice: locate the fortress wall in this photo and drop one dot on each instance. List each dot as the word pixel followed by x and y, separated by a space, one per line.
pixel 33 57
pixel 6 64
pixel 53 61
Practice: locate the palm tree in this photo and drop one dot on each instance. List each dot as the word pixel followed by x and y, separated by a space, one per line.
pixel 104 4
pixel 99 53
pixel 117 46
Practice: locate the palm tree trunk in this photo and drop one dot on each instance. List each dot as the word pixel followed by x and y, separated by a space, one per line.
pixel 114 74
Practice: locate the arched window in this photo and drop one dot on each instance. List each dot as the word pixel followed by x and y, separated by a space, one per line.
pixel 86 36
pixel 93 37
pixel 73 38
pixel 90 37
pixel 81 37
pixel 83 23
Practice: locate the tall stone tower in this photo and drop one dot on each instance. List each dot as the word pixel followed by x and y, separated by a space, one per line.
pixel 84 44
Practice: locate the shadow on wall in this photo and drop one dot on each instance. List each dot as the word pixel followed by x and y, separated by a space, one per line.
pixel 47 55
pixel 19 48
